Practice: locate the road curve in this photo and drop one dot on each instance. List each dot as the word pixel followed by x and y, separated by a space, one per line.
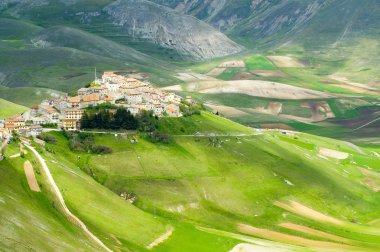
pixel 62 201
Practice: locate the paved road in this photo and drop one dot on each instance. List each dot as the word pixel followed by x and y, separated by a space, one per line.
pixel 62 201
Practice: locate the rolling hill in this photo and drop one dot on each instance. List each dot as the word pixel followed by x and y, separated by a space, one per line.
pixel 220 184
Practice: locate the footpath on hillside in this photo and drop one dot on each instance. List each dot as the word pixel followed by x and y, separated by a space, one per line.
pixel 58 194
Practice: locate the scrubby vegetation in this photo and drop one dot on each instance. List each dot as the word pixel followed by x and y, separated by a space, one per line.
pixel 47 138
pixel 84 142
pixel 191 108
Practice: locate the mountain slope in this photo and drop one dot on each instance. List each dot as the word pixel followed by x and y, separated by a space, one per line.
pixel 311 23
pixel 132 19
pixel 62 36
pixel 64 58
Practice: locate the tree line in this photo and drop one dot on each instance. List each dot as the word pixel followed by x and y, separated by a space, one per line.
pixel 120 118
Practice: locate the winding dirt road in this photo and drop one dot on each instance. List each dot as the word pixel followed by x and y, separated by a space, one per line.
pixel 62 201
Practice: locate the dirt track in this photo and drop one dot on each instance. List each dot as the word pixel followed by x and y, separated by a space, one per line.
pixel 280 237
pixel 161 239
pixel 314 232
pixel 297 208
pixel 31 177
pixel 58 194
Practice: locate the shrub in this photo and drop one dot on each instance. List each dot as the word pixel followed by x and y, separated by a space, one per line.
pixel 159 137
pixel 47 138
pixel 100 149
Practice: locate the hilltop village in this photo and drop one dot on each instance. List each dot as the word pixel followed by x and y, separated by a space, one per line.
pixel 66 112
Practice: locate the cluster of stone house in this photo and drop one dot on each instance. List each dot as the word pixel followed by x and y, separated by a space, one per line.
pixel 131 93
pixel 66 111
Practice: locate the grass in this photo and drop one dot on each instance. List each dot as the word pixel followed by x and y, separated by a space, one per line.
pixel 9 108
pixel 229 73
pixel 213 182
pixel 258 62
pixel 26 96
pixel 204 123
pixel 29 220
pixel 189 182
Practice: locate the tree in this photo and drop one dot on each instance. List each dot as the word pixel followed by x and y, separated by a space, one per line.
pixel 147 122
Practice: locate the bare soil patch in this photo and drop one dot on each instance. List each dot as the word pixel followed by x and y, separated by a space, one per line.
pixel 172 88
pixel 280 237
pixel 274 108
pixel 371 184
pixel 31 178
pixel 269 73
pixel 299 209
pixel 314 232
pixel 372 179
pixel 257 88
pixel 244 76
pixel 232 64
pixel 193 77
pixel 216 71
pixel 286 61
pixel 354 86
pixel 321 110
pixel 226 110
pixel 333 153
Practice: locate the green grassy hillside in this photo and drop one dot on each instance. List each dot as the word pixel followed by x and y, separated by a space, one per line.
pixel 206 187
pixel 29 220
pixel 8 108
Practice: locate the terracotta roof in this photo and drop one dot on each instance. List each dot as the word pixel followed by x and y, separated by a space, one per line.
pixel 171 109
pixel 49 109
pixel 75 99
pixel 134 93
pixel 91 97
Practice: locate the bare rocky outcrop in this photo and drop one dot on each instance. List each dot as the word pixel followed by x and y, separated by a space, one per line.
pixel 170 29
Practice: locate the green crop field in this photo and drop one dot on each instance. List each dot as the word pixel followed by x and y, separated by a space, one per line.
pixel 259 63
pixel 229 73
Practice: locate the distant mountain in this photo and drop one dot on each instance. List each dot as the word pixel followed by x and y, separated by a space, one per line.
pixel 311 23
pixel 64 58
pixel 128 21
